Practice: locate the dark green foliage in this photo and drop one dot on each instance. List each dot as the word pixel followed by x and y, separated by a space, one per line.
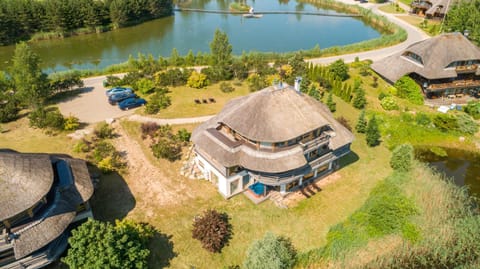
pixel 112 81
pixel 408 89
pixel 271 252
pixel 221 56
pixel 9 105
pixel 43 118
pixel 402 158
pixel 97 245
pixel 65 82
pixel 422 119
pixel 340 69
pixel 445 122
pixel 131 78
pixel 212 229
pixel 343 121
pixel 382 95
pixel 372 132
pixel 473 109
pixel 173 77
pixel 183 135
pixel 104 131
pixel 157 101
pixel 106 157
pixel 361 126
pixel 167 149
pixel 145 85
pixel 330 103
pixel 256 82
pixel 226 87
pixel 359 101
pixel 464 16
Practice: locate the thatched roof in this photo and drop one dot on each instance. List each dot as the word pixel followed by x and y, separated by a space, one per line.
pixel 438 6
pixel 24 180
pixel 301 114
pixel 263 115
pixel 436 54
pixel 51 221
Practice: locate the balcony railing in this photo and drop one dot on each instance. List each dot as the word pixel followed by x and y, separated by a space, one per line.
pixel 455 84
pixel 466 68
pixel 316 142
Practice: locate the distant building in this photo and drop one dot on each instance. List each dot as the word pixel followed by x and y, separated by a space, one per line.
pixel 431 8
pixel 276 139
pixel 41 196
pixel 444 66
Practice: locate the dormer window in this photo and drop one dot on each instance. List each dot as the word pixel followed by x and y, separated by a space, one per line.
pixel 413 56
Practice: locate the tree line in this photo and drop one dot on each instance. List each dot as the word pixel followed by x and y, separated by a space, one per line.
pixel 23 18
pixel 465 15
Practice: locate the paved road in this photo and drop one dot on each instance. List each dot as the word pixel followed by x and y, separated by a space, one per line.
pixel 91 105
pixel 414 35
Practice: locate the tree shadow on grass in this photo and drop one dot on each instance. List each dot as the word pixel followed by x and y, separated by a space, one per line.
pixel 161 250
pixel 112 198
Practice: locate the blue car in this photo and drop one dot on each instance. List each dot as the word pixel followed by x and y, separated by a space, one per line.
pixel 118 97
pixel 131 103
pixel 118 90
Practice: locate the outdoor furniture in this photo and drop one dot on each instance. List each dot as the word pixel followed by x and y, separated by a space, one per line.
pixel 212 100
pixel 451 96
pixel 459 95
pixel 205 101
pixel 197 101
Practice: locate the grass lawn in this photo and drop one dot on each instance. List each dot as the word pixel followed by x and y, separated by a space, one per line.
pixel 183 101
pixel 432 27
pixel 306 224
pixel 390 8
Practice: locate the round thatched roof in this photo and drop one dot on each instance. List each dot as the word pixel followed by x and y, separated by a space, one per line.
pixel 24 180
pixel 273 115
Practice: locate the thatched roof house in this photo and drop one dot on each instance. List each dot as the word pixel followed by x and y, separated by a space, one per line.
pixel 42 195
pixel 435 62
pixel 265 134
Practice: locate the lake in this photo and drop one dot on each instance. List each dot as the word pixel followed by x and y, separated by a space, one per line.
pixel 462 166
pixel 189 30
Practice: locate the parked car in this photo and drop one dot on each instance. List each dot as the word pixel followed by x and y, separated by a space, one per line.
pixel 118 97
pixel 118 90
pixel 131 103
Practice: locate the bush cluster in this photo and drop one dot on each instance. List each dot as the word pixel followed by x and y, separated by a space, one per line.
pixel 52 119
pixel 271 252
pixel 212 229
pixel 408 89
pixel 158 101
pixel 402 158
pixel 197 80
pixel 389 103
pixel 165 145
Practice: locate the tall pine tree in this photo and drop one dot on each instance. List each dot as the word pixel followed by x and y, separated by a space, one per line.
pixel 330 103
pixel 361 126
pixel 359 101
pixel 373 133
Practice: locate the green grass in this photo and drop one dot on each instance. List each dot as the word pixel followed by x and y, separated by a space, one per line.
pixel 431 28
pixel 183 101
pixel 391 8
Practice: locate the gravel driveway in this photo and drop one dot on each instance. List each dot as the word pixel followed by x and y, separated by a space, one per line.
pixel 91 105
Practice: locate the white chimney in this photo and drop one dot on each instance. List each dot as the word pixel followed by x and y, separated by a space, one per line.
pixel 298 80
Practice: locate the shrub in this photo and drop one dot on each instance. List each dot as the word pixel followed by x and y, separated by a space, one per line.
pixel 226 87
pixel 112 81
pixel 71 123
pixel 408 89
pixel 131 78
pixel 149 129
pixel 82 146
pixel 8 107
pixel 212 230
pixel 343 121
pixel 102 150
pixel 466 124
pixel 389 103
pixel 361 126
pixel 473 109
pixel 271 252
pixel 422 119
pixel 359 101
pixel 183 135
pixel 41 118
pixel 104 131
pixel 145 85
pixel 256 82
pixel 339 69
pixel 382 95
pixel 167 149
pixel 330 103
pixel 159 100
pixel 197 80
pixel 373 133
pixel 107 158
pixel 402 158
pixel 445 122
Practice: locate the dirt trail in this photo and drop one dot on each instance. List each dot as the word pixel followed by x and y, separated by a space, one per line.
pixel 149 185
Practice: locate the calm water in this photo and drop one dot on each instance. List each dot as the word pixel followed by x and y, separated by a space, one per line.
pixel 185 30
pixel 462 166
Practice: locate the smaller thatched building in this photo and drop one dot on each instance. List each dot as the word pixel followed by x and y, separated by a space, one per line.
pixel 444 66
pixel 431 8
pixel 276 139
pixel 42 195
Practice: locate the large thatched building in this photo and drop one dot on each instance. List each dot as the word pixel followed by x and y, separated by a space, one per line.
pixel 444 66
pixel 41 196
pixel 274 139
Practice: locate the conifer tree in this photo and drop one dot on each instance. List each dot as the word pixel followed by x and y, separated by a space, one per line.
pixel 330 103
pixel 361 126
pixel 373 133
pixel 359 101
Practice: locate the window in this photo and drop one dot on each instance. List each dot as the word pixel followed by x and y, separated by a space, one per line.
pixel 234 186
pixel 245 180
pixel 413 56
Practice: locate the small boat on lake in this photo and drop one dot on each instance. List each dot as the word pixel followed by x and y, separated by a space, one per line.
pixel 249 15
